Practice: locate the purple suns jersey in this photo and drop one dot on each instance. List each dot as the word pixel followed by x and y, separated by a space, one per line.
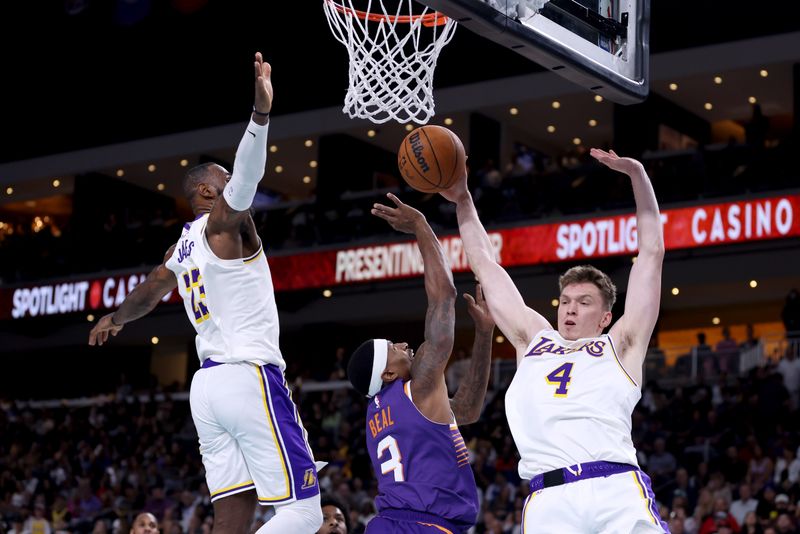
pixel 421 466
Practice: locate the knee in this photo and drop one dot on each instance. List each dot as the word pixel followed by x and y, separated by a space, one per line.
pixel 312 515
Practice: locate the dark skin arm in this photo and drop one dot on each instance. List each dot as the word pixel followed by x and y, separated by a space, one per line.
pixel 138 303
pixel 232 234
pixel 427 370
pixel 467 403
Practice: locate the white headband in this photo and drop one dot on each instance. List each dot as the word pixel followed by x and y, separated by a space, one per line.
pixel 380 349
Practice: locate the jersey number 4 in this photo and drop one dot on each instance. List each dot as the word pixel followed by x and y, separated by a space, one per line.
pixel 560 377
pixel 193 281
pixel 393 464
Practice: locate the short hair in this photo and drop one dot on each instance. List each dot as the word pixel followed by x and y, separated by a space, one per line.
pixel 195 177
pixel 359 369
pixel 328 500
pixel 593 275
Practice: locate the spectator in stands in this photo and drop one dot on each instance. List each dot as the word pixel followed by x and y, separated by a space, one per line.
pixel 766 509
pixel 750 338
pixel 145 523
pixel 789 369
pixel 751 524
pixel 760 471
pixel 727 352
pixel 704 355
pixel 787 468
pixel 785 524
pixel 335 517
pixel 661 464
pixel 38 523
pixel 744 505
pixel 717 522
pixel 756 130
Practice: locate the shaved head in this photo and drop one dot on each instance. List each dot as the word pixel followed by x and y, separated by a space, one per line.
pixel 195 177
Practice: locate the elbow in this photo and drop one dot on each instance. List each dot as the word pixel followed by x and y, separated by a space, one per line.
pixel 654 249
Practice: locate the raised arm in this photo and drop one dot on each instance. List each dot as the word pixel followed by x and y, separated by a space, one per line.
pixel 138 303
pixel 632 331
pixel 230 215
pixel 516 320
pixel 427 371
pixel 467 403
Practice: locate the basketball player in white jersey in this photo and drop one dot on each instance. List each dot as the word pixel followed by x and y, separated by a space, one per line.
pixel 570 403
pixel 253 444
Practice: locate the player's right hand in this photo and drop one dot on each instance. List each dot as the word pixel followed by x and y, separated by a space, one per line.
pixel 403 218
pixel 263 72
pixel 458 190
pixel 104 326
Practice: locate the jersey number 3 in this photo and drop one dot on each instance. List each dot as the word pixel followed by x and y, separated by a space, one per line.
pixel 560 377
pixel 393 463
pixel 193 281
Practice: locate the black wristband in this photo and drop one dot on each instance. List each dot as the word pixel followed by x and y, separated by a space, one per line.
pixel 112 321
pixel 259 113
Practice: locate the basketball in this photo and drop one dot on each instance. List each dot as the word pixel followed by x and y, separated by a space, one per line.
pixel 431 158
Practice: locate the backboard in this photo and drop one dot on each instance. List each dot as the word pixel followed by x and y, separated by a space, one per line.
pixel 602 45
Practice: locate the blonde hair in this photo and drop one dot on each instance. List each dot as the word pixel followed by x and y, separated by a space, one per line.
pixel 593 275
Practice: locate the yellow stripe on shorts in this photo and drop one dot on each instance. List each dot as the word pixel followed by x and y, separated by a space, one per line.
pixel 261 380
pixel 643 493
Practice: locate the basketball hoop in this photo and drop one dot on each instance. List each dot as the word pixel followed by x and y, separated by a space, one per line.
pixel 392 58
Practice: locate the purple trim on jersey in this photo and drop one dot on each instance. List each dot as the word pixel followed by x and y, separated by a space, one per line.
pixel 208 362
pixel 410 521
pixel 295 448
pixel 644 481
pixel 587 470
pixel 231 491
pixel 187 226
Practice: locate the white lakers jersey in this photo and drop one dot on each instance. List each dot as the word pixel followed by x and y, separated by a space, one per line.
pixel 231 303
pixel 571 402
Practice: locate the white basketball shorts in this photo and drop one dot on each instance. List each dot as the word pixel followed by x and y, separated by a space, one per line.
pixel 251 435
pixel 621 503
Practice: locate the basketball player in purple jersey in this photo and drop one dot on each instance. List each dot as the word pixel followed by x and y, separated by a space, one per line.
pixel 425 481
pixel 569 405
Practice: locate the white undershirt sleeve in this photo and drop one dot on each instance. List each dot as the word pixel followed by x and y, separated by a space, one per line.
pixel 248 167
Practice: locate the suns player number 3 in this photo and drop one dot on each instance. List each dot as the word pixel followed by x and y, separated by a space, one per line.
pixel 393 463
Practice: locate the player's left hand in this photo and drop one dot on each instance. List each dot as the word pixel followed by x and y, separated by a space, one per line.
pixel 104 326
pixel 403 218
pixel 614 162
pixel 479 310
pixel 263 72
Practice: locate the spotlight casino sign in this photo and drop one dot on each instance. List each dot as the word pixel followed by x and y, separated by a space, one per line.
pixel 587 238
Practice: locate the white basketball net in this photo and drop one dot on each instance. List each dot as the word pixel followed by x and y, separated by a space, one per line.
pixel 392 58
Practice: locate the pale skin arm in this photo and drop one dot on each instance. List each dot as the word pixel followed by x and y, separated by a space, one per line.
pixel 428 386
pixel 138 303
pixel 631 333
pixel 516 320
pixel 467 402
pixel 232 234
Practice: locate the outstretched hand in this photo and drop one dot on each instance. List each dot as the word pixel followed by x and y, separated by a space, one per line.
pixel 614 162
pixel 403 218
pixel 104 326
pixel 263 72
pixel 459 188
pixel 479 310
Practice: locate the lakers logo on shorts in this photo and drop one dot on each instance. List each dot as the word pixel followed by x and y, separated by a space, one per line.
pixel 309 479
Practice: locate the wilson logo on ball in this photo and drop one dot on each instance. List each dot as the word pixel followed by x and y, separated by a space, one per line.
pixel 417 148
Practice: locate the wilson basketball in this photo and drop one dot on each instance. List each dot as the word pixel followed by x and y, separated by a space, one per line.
pixel 431 158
